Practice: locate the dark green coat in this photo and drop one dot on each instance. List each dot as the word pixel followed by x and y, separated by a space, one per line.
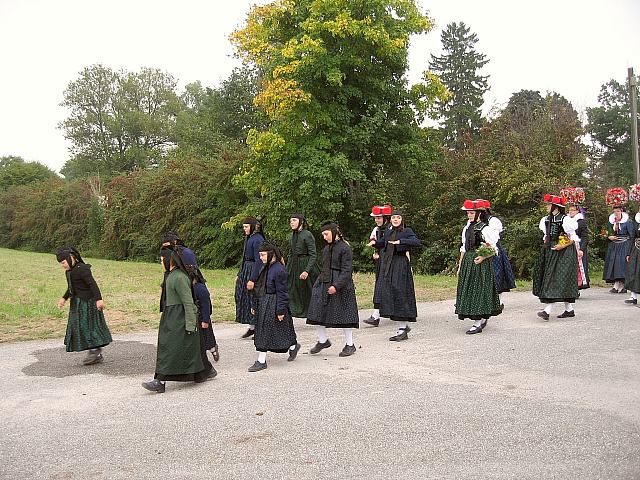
pixel 178 337
pixel 302 259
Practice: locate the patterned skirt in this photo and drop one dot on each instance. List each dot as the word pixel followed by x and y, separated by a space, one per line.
pixel 555 275
pixel 243 296
pixel 505 279
pixel 632 281
pixel 615 262
pixel 477 296
pixel 272 335
pixel 86 327
pixel 339 310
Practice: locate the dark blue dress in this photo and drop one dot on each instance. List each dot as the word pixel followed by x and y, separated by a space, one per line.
pixel 615 263
pixel 248 271
pixel 203 302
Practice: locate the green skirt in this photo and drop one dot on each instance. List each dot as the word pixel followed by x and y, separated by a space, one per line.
pixel 555 275
pixel 86 328
pixel 477 295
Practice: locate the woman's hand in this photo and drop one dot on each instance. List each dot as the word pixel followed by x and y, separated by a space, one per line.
pixel 612 237
pixel 280 317
pixel 204 325
pixel 250 285
pixel 371 243
pixel 580 253
pixel 376 255
pixel 394 242
pixel 331 290
pixel 478 260
pixel 61 303
pixel 100 305
pixel 253 311
pixel 304 275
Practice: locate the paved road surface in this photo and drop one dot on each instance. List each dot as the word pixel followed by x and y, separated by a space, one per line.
pixel 524 399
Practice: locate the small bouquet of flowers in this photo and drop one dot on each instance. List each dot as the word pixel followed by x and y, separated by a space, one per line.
pixel 574 195
pixel 616 197
pixel 563 240
pixel 485 250
pixel 634 192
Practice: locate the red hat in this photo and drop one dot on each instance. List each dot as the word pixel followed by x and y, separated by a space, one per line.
pixel 386 209
pixel 472 205
pixel 555 200
pixel 376 211
pixel 573 195
pixel 634 192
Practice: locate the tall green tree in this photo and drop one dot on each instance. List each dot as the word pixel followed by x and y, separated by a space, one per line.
pixel 119 120
pixel 458 68
pixel 609 126
pixel 15 171
pixel 341 112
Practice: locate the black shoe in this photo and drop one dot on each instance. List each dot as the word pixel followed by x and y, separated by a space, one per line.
pixel 293 353
pixel 624 290
pixel 93 358
pixel 320 346
pixel 154 385
pixel 256 367
pixel 347 351
pixel 400 336
pixel 474 329
pixel 484 323
pixel 372 321
pixel 248 333
pixel 631 301
pixel 212 373
pixel 566 314
pixel 543 315
pixel 215 354
pixel 613 290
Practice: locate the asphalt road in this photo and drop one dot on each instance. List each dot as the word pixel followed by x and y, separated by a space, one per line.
pixel 524 399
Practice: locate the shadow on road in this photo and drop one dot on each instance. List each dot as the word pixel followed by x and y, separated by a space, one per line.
pixel 121 358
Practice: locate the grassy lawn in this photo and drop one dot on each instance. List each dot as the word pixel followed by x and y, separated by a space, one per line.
pixel 32 283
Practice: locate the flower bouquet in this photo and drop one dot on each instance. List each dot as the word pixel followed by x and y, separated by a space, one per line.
pixel 634 192
pixel 563 240
pixel 485 250
pixel 574 195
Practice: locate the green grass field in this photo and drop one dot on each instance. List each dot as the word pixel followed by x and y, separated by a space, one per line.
pixel 32 283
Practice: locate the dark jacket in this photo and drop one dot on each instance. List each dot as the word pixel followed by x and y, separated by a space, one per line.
pixel 341 264
pixel 407 239
pixel 277 284
pixel 203 302
pixel 80 283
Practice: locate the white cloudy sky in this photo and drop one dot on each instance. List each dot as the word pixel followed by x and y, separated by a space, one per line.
pixel 568 46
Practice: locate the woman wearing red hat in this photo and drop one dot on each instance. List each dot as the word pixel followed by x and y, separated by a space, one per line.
pixel 394 287
pixel 477 296
pixel 382 216
pixel 505 279
pixel 555 273
pixel 620 233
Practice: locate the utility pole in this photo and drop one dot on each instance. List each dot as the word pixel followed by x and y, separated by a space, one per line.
pixel 633 91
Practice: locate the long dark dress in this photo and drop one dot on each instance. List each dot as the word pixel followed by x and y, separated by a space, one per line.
pixel 377 234
pixel 86 326
pixel 302 259
pixel 632 282
pixel 477 295
pixel 583 263
pixel 555 272
pixel 339 310
pixel 179 356
pixel 505 279
pixel 249 270
pixel 394 287
pixel 273 335
pixel 615 262
pixel 203 302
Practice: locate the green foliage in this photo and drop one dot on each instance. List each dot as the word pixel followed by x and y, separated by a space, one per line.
pixel 609 126
pixel 458 69
pixel 341 112
pixel 15 171
pixel 119 121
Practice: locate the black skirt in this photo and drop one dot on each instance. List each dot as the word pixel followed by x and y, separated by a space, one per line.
pixel 339 310
pixel 272 335
pixel 243 296
pixel 395 291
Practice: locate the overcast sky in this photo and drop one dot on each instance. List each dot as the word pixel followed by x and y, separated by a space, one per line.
pixel 568 46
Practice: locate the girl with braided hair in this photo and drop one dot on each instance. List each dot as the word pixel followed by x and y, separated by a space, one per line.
pixel 248 272
pixel 274 330
pixel 86 327
pixel 333 298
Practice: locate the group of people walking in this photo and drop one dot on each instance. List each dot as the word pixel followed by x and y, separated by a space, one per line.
pixel 270 292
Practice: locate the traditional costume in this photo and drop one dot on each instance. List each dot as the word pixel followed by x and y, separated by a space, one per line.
pixel 394 289
pixel 505 279
pixel 575 196
pixel 301 259
pixel 86 326
pixel 382 216
pixel 477 295
pixel 333 298
pixel 274 324
pixel 622 231
pixel 180 353
pixel 632 281
pixel 249 270
pixel 555 272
